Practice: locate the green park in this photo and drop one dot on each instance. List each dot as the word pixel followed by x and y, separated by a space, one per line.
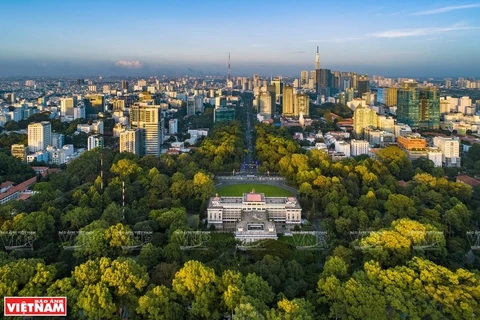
pixel 239 189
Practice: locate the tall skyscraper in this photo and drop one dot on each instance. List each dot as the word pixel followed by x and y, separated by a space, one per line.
pixel 429 108
pixel 408 106
pixel 363 85
pixel 317 74
pixel 277 82
pixel 302 105
pixel 265 105
pixel 39 136
pixel 287 105
pixel 325 78
pixel 272 89
pixel 124 85
pixel 304 77
pixel 256 81
pixel 229 76
pixel 148 118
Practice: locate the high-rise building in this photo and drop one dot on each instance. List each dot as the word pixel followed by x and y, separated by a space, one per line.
pixel 277 82
pixel 58 140
pixel 349 95
pixel 199 104
pixel 317 73
pixel 302 105
pixel 256 81
pixel 131 141
pixel 363 118
pixel 418 107
pixel 148 118
pixel 444 106
pixel 79 112
pixel 363 85
pixel 95 141
pixel 287 105
pixel 67 105
pixel 39 136
pixel 325 78
pixel 265 104
pixel 304 77
pixel 391 97
pixel 408 104
pixel 173 126
pixel 313 76
pixel 19 151
pixel 272 89
pixel 190 106
pixel 450 148
pixel 124 85
pixel 336 84
pixel 94 104
pixel 118 105
pixel 429 108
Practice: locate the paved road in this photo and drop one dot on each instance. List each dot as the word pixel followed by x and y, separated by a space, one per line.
pixel 248 137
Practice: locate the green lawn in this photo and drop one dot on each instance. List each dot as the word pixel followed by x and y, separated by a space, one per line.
pixel 220 236
pixel 301 240
pixel 238 189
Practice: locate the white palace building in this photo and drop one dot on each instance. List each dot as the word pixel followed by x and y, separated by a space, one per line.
pixel 254 216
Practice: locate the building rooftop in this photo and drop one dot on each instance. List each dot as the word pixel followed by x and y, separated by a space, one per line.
pixel 6 184
pixel 253 197
pixel 255 224
pixel 472 182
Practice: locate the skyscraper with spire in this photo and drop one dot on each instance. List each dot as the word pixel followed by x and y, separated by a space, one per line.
pixel 229 76
pixel 317 75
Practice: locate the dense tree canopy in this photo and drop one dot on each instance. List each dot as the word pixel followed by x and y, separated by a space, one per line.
pixel 118 235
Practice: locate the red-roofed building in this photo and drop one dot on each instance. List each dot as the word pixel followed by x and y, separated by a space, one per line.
pixel 5 186
pixel 15 192
pixel 253 197
pixel 472 182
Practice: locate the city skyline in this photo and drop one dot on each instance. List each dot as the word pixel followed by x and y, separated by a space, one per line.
pixel 392 39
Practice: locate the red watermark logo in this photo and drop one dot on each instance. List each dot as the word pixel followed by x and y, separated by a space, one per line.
pixel 35 306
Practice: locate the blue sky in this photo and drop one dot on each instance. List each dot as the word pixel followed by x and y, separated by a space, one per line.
pixel 392 38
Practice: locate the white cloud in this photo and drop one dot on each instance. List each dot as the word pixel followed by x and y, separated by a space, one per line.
pixel 445 9
pixel 129 64
pixel 402 33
